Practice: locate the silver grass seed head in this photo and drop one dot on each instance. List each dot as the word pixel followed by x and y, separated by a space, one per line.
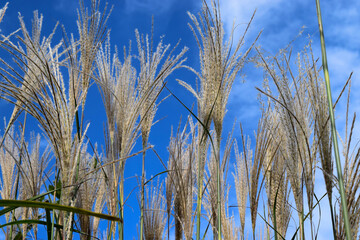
pixel 155 66
pixel 9 156
pixel 219 63
pixel 241 181
pixel 2 11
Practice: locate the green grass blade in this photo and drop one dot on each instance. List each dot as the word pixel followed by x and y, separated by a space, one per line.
pixel 10 208
pixel 49 229
pixel 39 222
pixel 308 214
pixel 35 204
pixel 333 127
pixel 273 228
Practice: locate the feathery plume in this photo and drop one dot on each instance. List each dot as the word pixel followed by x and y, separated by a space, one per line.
pixel 154 214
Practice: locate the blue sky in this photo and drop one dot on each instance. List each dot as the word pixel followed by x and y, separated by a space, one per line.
pixel 280 20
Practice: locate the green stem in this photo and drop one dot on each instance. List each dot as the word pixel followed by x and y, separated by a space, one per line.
pixel 333 127
pixel 218 176
pixel 142 195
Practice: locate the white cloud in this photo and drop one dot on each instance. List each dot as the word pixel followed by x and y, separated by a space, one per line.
pixel 242 11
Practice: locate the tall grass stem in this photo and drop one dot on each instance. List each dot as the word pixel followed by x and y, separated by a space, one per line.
pixel 333 127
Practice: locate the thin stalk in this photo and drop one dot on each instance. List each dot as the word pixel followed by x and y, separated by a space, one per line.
pixel 202 147
pixel 218 176
pixel 116 192
pixel 302 232
pixel 333 127
pixel 121 210
pixel 53 222
pixel 142 195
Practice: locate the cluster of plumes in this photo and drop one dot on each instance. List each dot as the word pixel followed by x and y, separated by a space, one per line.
pixel 220 64
pixel 296 136
pixel 39 88
pixel 24 170
pixel 293 134
pixel 130 100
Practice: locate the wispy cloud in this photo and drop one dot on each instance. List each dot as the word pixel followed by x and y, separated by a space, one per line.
pixel 148 6
pixel 66 6
pixel 281 22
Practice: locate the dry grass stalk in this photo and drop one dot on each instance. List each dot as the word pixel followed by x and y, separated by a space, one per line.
pixel 169 191
pixel 92 32
pixel 220 64
pixel 322 144
pixel 308 113
pixel 152 75
pixel 318 98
